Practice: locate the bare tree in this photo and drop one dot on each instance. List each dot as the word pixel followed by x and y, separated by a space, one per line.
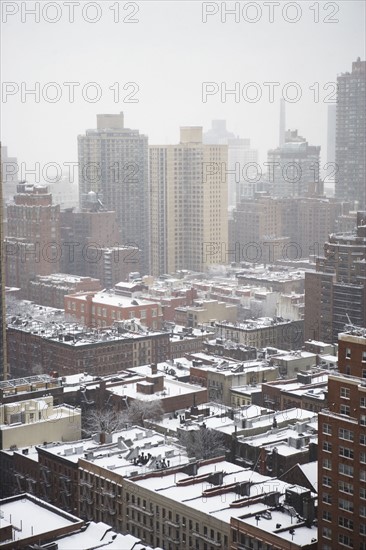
pixel 104 421
pixel 203 443
pixel 139 411
pixel 109 420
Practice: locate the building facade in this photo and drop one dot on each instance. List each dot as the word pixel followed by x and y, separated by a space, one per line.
pixel 188 204
pixel 342 449
pixel 32 245
pixel 293 168
pixel 335 292
pixel 351 135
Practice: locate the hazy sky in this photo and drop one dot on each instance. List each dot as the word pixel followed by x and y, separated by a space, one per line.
pixel 169 53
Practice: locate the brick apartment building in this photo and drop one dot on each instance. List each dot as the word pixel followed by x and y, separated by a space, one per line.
pixel 50 290
pixel 68 350
pixel 264 332
pixel 103 309
pixel 33 235
pixel 93 246
pixel 342 449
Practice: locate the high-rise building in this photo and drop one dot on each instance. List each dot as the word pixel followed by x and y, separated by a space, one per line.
pixel 189 219
pixel 10 170
pixel 331 133
pixel 217 134
pixel 293 168
pixel 33 236
pixel 342 449
pixel 241 170
pixel 351 135
pixel 113 163
pixel 335 293
pixel 305 223
pixel 91 238
pixel 3 359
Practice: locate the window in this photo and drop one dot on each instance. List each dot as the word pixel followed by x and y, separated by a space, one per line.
pixel 364 356
pixel 363 402
pixel 348 353
pixel 363 420
pixel 363 492
pixel 154 312
pixel 345 469
pixel 345 434
pixel 345 540
pixel 345 522
pixel 345 392
pixel 82 308
pixel 327 446
pixel 363 458
pixel 327 481
pixel 327 516
pixel 345 451
pixel 327 464
pixel 327 498
pixel 327 429
pixel 363 511
pixel 327 533
pixel 345 505
pixel 362 475
pixel 345 487
pixel 143 314
pixel 362 439
pixel 345 409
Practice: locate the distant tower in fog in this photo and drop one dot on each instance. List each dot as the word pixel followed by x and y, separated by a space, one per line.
pixel 241 183
pixel 282 122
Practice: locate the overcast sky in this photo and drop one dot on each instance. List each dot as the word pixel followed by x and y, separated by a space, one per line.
pixel 169 53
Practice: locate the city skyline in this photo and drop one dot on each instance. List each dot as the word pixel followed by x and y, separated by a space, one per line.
pixel 174 96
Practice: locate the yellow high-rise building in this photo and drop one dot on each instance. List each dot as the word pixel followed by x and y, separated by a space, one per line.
pixel 188 202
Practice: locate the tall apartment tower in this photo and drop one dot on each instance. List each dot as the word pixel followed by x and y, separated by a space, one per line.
pixel 113 163
pixel 293 168
pixel 342 449
pixel 33 236
pixel 3 359
pixel 336 291
pixel 331 133
pixel 189 219
pixel 351 135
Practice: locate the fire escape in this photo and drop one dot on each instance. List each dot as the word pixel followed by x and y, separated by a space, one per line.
pixel 86 499
pixel 65 492
pixel 45 483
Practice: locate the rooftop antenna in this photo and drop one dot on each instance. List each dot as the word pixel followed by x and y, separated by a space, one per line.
pixel 349 320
